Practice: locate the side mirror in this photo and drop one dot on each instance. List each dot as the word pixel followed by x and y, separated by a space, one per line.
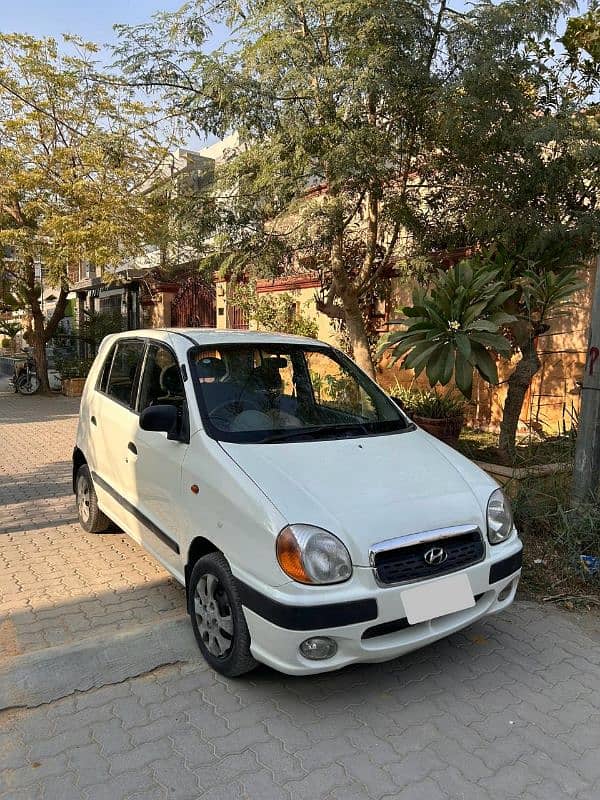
pixel 162 418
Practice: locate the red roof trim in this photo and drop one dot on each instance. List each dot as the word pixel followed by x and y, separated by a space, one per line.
pixel 289 284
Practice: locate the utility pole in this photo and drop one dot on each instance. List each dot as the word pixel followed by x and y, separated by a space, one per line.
pixel 586 472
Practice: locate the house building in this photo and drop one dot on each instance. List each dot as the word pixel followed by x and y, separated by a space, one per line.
pixel 160 287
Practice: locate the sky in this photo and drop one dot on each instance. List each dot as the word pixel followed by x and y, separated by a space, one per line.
pixel 91 20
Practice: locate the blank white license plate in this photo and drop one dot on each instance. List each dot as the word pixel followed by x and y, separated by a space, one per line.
pixel 438 598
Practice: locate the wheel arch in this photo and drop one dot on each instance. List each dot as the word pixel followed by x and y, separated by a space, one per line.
pixel 200 546
pixel 78 461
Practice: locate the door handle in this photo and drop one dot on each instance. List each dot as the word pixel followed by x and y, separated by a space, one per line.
pixel 132 447
pixel 93 420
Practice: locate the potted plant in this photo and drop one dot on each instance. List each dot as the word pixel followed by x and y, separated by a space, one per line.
pixel 73 372
pixel 441 414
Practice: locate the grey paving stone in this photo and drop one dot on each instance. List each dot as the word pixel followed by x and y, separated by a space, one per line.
pixel 507 709
pixel 225 770
pixel 180 782
pixel 318 783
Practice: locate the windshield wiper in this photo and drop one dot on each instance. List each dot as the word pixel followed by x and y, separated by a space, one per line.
pixel 316 432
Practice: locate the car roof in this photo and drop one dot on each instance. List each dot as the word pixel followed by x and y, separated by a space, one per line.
pixel 215 336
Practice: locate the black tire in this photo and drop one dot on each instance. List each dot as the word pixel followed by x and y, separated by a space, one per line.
pixel 91 518
pixel 28 385
pixel 234 657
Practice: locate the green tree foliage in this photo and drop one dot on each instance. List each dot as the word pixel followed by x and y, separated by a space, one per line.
pixel 583 33
pixel 517 168
pixel 9 329
pixel 357 120
pixel 75 156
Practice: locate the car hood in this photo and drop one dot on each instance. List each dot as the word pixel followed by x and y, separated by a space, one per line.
pixel 369 489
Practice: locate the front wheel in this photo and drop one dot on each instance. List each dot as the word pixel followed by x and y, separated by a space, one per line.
pixel 28 384
pixel 218 618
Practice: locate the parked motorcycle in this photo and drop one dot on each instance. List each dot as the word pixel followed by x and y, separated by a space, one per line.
pixel 25 379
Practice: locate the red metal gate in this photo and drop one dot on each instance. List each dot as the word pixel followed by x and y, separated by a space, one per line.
pixel 194 305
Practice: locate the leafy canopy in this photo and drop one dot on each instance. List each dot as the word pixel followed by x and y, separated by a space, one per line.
pixel 371 130
pixel 75 155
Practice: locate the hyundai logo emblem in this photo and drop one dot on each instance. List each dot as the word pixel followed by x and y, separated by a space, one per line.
pixel 435 556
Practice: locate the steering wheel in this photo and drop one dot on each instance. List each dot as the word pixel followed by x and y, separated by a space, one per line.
pixel 226 412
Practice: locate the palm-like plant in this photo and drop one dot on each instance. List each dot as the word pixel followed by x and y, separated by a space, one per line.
pixel 546 295
pixel 455 327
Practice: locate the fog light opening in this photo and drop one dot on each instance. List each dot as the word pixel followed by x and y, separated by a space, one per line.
pixel 504 593
pixel 318 648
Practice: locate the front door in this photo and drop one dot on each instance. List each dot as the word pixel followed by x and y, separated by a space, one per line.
pixel 157 463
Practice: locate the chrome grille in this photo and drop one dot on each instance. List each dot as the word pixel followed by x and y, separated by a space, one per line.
pixel 417 557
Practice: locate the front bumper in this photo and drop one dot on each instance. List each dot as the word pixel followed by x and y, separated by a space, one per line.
pixel 360 614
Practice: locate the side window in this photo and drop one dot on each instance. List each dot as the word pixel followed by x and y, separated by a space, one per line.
pixel 121 379
pixel 161 381
pixel 105 371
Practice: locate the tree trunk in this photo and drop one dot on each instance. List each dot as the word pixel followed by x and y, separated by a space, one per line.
pixel 41 334
pixel 518 384
pixel 351 311
pixel 38 341
pixel 357 334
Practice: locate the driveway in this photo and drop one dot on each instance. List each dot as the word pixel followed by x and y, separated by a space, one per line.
pixel 103 694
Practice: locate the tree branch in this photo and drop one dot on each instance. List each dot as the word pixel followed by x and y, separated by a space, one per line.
pixel 57 314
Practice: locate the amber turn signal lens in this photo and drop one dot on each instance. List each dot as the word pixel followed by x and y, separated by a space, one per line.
pixel 289 557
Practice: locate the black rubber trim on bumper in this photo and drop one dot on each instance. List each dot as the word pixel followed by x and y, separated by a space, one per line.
pixel 506 567
pixel 395 625
pixel 307 618
pixel 160 534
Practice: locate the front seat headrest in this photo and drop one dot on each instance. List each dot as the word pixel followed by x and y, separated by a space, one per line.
pixel 210 367
pixel 170 379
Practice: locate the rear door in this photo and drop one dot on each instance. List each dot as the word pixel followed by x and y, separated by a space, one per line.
pixel 114 426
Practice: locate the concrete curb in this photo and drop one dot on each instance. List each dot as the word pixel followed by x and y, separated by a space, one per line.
pixel 43 676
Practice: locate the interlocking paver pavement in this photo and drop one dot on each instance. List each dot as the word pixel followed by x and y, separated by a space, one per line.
pixel 58 583
pixel 507 709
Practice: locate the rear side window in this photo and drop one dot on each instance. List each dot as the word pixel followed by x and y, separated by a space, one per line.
pixel 121 379
pixel 105 372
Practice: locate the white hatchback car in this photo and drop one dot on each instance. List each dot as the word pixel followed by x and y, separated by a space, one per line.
pixel 312 524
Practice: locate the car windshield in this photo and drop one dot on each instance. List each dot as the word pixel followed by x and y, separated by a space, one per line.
pixel 289 392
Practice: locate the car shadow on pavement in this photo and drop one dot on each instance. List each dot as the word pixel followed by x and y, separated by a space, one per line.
pixel 17 409
pixel 37 499
pixel 48 480
pixel 58 606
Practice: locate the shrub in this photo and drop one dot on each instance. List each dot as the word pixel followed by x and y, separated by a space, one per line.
pixel 72 366
pixel 556 534
pixel 280 313
pixel 455 327
pixel 429 403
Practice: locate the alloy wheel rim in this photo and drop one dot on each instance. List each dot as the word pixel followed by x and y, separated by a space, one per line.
pixel 83 499
pixel 213 615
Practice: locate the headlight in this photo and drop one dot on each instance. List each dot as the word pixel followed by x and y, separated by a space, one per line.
pixel 312 555
pixel 499 517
